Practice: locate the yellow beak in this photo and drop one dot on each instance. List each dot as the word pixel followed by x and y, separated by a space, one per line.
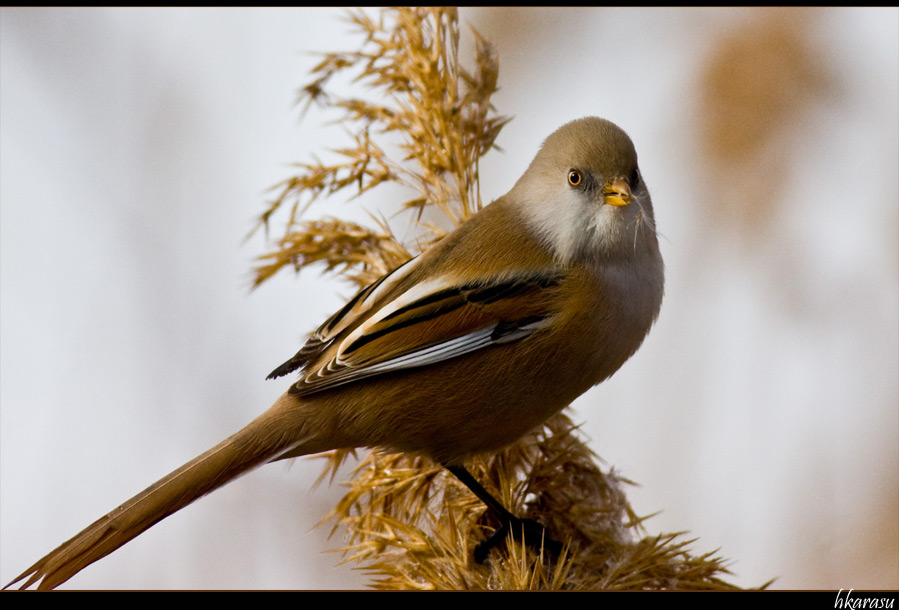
pixel 617 192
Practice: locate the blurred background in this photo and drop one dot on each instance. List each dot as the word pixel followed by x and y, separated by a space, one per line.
pixel 137 147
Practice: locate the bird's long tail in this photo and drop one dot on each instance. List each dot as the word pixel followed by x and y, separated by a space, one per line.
pixel 264 439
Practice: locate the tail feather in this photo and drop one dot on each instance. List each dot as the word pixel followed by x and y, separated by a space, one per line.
pixel 261 441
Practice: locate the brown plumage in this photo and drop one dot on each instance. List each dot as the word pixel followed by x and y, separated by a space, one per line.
pixel 543 294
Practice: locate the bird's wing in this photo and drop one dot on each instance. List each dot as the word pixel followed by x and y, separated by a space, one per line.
pixel 395 324
pixel 355 309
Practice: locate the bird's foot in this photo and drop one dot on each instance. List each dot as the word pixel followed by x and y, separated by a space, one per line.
pixel 535 536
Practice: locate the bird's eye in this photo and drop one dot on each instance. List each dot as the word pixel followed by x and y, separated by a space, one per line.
pixel 575 178
pixel 634 178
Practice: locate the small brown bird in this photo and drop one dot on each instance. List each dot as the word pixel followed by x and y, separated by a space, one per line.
pixel 543 294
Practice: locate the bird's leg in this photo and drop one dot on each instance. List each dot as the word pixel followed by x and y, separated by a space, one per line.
pixel 534 534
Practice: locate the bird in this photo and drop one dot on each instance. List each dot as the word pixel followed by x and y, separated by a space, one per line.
pixel 460 351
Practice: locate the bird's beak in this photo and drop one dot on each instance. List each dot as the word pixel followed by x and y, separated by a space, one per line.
pixel 617 192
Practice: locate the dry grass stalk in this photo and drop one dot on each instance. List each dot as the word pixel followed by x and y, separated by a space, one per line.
pixel 410 523
pixel 439 111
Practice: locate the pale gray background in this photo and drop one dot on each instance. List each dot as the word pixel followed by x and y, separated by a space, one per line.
pixel 136 146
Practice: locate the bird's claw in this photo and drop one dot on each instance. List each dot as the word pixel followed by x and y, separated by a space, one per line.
pixel 535 536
